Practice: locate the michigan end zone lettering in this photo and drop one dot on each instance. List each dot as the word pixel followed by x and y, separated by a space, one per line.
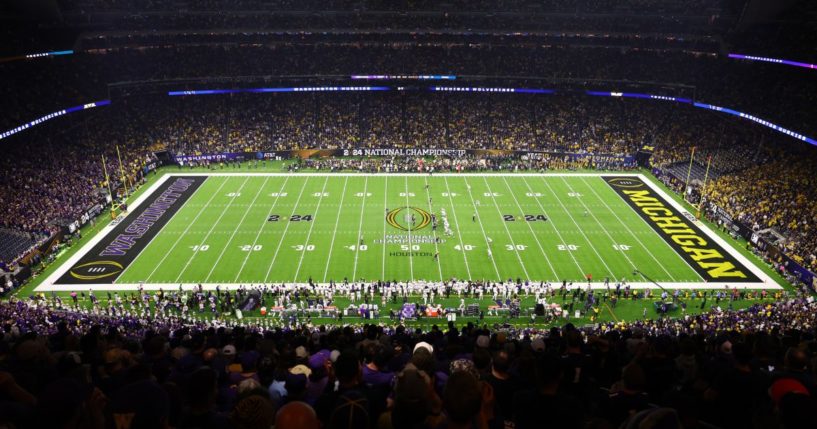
pixel 106 261
pixel 705 256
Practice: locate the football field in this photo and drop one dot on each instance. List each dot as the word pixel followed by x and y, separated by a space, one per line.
pixel 232 229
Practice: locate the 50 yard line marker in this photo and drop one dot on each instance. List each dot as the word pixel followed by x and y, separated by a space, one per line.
pixel 434 232
pixel 261 229
pixel 204 240
pixel 182 235
pixel 360 229
pixel 411 259
pixel 281 240
pixel 335 231
pixel 237 227
pixel 385 210
pixel 311 226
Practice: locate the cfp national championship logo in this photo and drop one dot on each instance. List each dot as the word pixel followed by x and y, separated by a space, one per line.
pixel 96 270
pixel 624 182
pixel 408 218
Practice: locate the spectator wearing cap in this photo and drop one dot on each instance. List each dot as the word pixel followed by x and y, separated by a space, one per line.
pixel 297 379
pixel 346 372
pixel 249 362
pixel 251 412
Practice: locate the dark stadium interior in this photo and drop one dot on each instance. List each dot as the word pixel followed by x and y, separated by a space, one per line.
pixel 63 366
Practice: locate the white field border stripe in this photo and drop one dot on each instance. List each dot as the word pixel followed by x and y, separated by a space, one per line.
pixel 606 232
pixel 335 231
pixel 507 231
pixel 212 227
pixel 182 235
pixel 581 231
pixel 386 210
pixel 233 286
pixel 235 231
pixel 261 229
pixel 479 221
pixel 70 262
pixel 766 281
pixel 410 251
pixel 311 226
pixel 532 232
pixel 360 229
pixel 556 230
pixel 457 225
pixel 284 234
pixel 434 231
pixel 342 174
pixel 638 240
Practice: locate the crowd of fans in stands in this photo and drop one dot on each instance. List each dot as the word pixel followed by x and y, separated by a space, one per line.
pixel 735 369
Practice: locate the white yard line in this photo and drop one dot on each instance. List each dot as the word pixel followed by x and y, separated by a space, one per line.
pixel 286 227
pixel 581 231
pixel 507 231
pixel 459 235
pixel 160 232
pixel 385 211
pixel 484 236
pixel 555 229
pixel 411 258
pixel 235 231
pixel 634 235
pixel 261 229
pixel 434 232
pixel 311 226
pixel 360 229
pixel 204 240
pixel 532 232
pixel 335 231
pixel 606 232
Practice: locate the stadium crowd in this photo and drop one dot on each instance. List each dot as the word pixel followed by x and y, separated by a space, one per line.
pixel 753 368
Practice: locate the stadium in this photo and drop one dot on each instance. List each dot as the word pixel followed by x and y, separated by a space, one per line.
pixel 408 214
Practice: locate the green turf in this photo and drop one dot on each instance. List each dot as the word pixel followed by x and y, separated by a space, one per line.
pixel 222 234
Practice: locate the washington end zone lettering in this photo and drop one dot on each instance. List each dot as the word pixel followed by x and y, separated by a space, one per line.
pixel 112 255
pixel 708 258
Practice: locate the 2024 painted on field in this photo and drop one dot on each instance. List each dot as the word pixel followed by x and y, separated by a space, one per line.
pixel 290 228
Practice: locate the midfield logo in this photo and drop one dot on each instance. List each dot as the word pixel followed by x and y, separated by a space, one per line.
pixel 408 218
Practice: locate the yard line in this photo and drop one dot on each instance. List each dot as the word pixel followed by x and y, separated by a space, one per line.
pixel 204 240
pixel 612 240
pixel 411 259
pixel 281 240
pixel 555 275
pixel 156 267
pixel 385 210
pixel 479 221
pixel 558 233
pixel 261 229
pixel 581 231
pixel 508 231
pixel 360 229
pixel 459 234
pixel 309 234
pixel 335 231
pixel 652 255
pixel 237 227
pixel 434 232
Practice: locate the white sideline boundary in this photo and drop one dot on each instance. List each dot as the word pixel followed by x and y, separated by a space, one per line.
pixel 49 284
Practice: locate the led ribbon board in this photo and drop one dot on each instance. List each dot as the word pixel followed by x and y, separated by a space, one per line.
pixel 284 89
pixel 757 120
pixel 638 95
pixel 51 116
pixel 403 77
pixel 773 60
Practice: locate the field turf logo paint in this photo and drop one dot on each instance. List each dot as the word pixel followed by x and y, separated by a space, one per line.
pixel 408 218
pixel 705 256
pixel 96 270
